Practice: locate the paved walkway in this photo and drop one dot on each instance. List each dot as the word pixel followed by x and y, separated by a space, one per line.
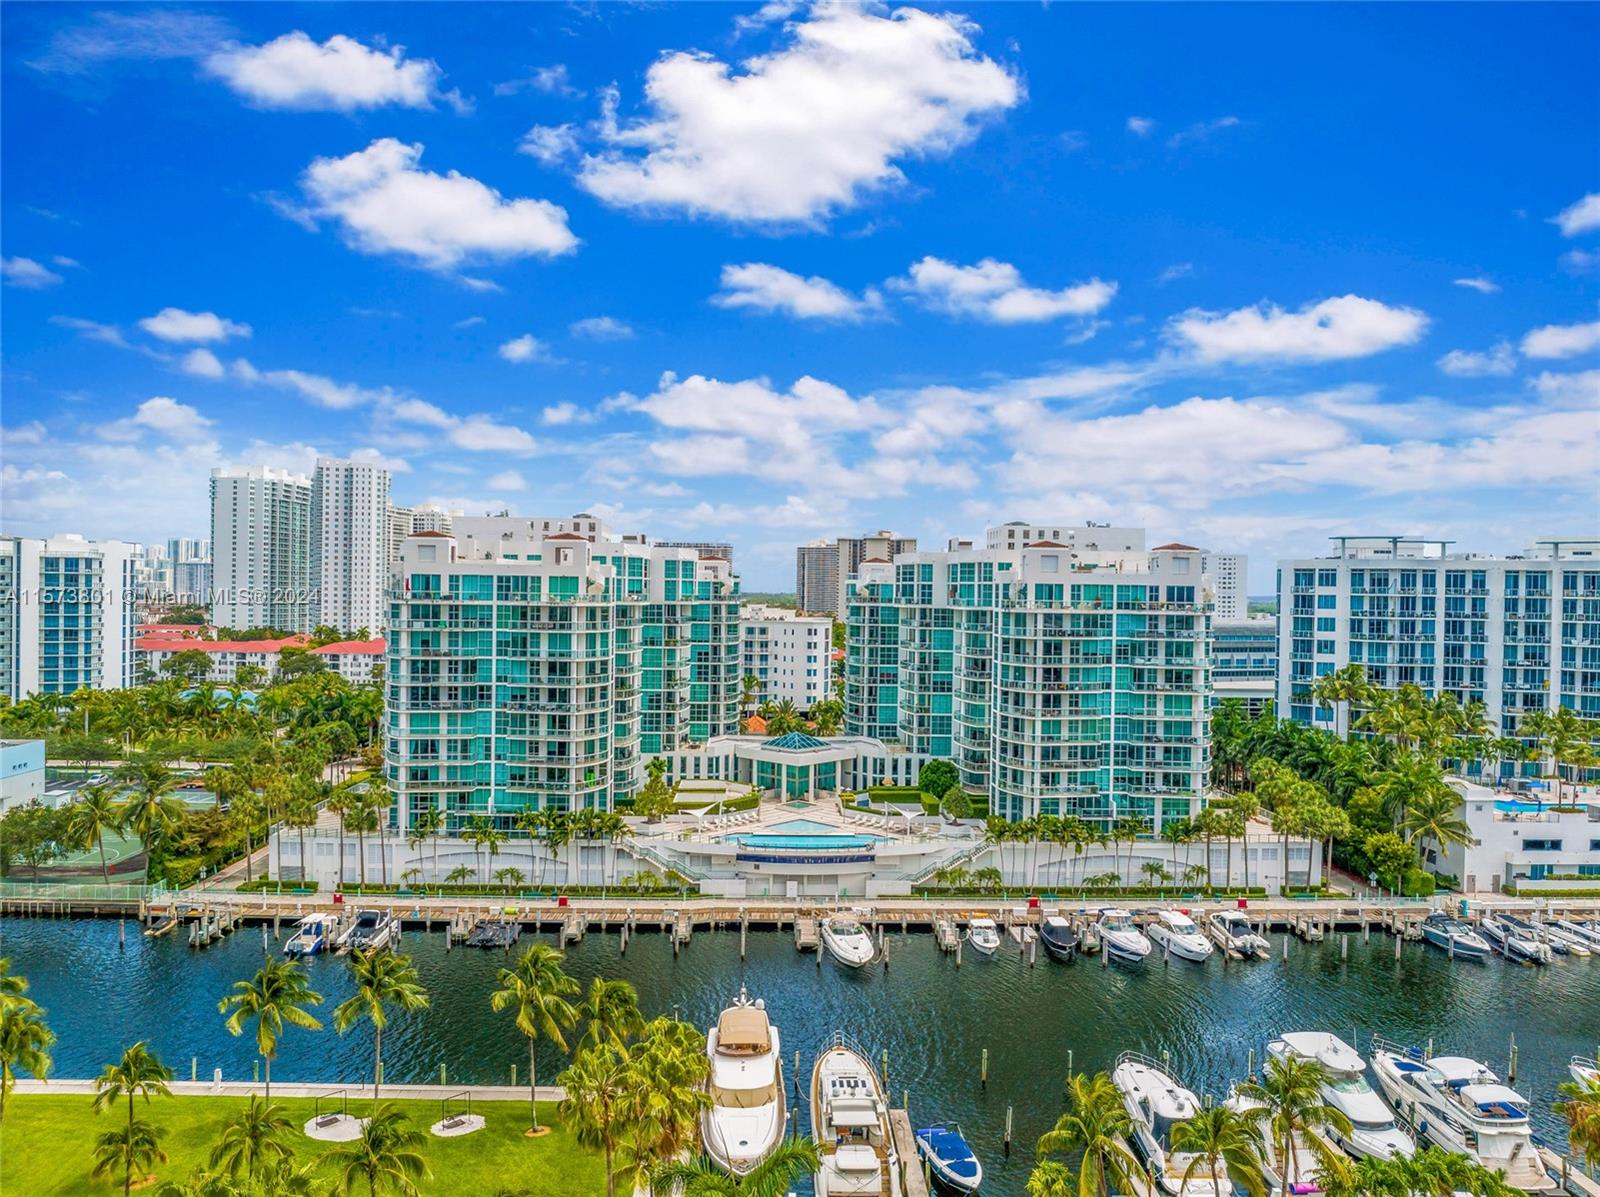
pixel 298 1089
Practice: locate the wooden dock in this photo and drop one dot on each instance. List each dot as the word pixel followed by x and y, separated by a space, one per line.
pixel 913 1181
pixel 807 933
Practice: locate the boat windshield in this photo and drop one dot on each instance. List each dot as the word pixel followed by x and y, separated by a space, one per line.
pixel 846 927
pixel 1117 922
pixel 1354 1085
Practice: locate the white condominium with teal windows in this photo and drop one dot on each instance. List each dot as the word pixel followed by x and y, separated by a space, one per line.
pixel 1059 680
pixel 1516 633
pixel 66 615
pixel 534 669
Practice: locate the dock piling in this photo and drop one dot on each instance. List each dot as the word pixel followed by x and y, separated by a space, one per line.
pixel 1008 1131
pixel 983 1070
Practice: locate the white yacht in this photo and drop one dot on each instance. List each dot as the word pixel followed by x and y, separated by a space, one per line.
pixel 1120 937
pixel 1373 1130
pixel 1176 934
pixel 1563 939
pixel 1513 942
pixel 850 1122
pixel 1588 933
pixel 1584 1070
pixel 1156 1103
pixel 1294 1173
pixel 983 936
pixel 1461 1106
pixel 747 1116
pixel 372 931
pixel 847 941
pixel 1232 930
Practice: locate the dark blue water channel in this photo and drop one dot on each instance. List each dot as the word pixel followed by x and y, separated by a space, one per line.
pixel 933 1020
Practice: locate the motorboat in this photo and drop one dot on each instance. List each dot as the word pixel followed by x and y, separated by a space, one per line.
pixel 1584 1070
pixel 1563 939
pixel 847 941
pixel 1059 938
pixel 1533 931
pixel 1286 1172
pixel 372 931
pixel 1460 1105
pixel 746 1117
pixel 1512 941
pixel 949 1158
pixel 1176 934
pixel 850 1122
pixel 1373 1129
pixel 1120 937
pixel 1455 937
pixel 983 935
pixel 1155 1103
pixel 312 934
pixel 1233 932
pixel 1589 933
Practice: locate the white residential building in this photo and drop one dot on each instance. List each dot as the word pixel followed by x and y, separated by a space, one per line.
pixel 1091 537
pixel 1230 581
pixel 22 773
pixel 66 615
pixel 262 548
pixel 350 526
pixel 789 652
pixel 154 649
pixel 1516 633
pixel 823 568
pixel 353 660
pixel 1523 841
pixel 402 523
pixel 430 517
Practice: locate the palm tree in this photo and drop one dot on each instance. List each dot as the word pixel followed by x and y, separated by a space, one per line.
pixel 460 875
pixel 25 1040
pixel 537 989
pixel 1581 1109
pixel 1052 1179
pixel 1097 1125
pixel 773 1177
pixel 1292 1106
pixel 388 1156
pixel 1219 1137
pixel 301 813
pixel 670 1066
pixel 138 1074
pixel 610 1013
pixel 136 1145
pixel 383 979
pixel 153 813
pixel 279 993
pixel 1348 686
pixel 749 687
pixel 1563 736
pixel 96 812
pixel 597 1084
pixel 254 1141
pixel 531 820
pixel 1436 815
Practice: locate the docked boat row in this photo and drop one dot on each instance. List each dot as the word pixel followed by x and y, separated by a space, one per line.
pixel 1517 939
pixel 371 930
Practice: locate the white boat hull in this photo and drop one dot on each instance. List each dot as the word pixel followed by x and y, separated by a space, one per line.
pixel 852 951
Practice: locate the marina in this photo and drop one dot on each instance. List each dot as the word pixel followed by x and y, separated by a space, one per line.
pixel 983 1047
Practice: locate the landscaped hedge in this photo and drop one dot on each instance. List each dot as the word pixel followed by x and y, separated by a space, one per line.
pixel 264 885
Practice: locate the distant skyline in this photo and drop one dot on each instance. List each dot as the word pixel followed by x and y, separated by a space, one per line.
pixel 1247 276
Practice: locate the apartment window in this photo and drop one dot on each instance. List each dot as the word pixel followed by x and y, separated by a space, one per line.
pixel 1542 845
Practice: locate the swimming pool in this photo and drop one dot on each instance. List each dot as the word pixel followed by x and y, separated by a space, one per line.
pixel 803 843
pixel 1514 806
pixel 805 827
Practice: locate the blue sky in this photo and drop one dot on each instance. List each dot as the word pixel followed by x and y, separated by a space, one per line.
pixel 1247 275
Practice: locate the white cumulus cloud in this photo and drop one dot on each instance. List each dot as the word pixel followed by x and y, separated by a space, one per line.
pixel 1463 363
pixel 202 363
pixel 1562 340
pixel 507 480
pixel 601 328
pixel 163 416
pixel 385 203
pixel 770 289
pixel 339 75
pixel 25 272
pixel 1583 216
pixel 526 348
pixel 806 130
pixel 995 291
pixel 1345 327
pixel 177 325
pixel 1478 283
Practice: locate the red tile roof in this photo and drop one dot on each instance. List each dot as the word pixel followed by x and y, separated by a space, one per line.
pixel 367 648
pixel 179 644
pixel 874 561
pixel 565 536
pixel 755 725
pixel 1182 548
pixel 440 535
pixel 1045 544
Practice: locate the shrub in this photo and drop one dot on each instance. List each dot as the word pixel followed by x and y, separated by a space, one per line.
pixel 1417 884
pixel 264 885
pixel 182 871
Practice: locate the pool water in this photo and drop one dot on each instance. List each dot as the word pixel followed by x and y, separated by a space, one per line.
pixel 1513 806
pixel 804 841
pixel 805 827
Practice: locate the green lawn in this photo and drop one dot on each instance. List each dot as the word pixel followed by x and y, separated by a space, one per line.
pixel 46 1144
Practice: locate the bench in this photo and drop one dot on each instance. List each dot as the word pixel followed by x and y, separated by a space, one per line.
pixel 324 1121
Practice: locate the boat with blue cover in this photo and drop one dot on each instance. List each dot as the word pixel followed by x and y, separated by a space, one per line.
pixel 949 1158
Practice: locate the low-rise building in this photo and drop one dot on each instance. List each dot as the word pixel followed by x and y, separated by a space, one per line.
pixel 1522 842
pixel 353 660
pixel 227 656
pixel 21 773
pixel 790 654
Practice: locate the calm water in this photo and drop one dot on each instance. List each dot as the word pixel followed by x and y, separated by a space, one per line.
pixel 933 1020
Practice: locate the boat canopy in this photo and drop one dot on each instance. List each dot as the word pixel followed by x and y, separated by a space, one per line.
pixel 744 1030
pixel 952 1152
pixel 1055 920
pixel 1496 1101
pixel 1459 1070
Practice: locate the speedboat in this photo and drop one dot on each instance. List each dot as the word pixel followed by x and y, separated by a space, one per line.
pixel 312 934
pixel 746 1117
pixel 983 936
pixel 1176 934
pixel 1373 1130
pixel 1589 933
pixel 949 1158
pixel 1454 936
pixel 1233 931
pixel 1459 1105
pixel 1534 932
pixel 1059 939
pixel 1512 942
pixel 1584 1070
pixel 1562 939
pixel 1286 1173
pixel 1121 938
pixel 850 1122
pixel 1155 1104
pixel 372 931
pixel 847 941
